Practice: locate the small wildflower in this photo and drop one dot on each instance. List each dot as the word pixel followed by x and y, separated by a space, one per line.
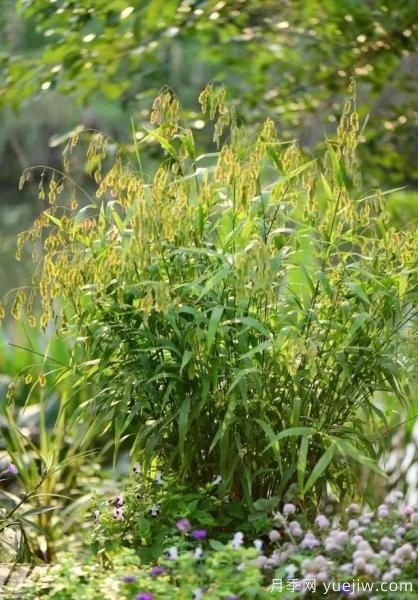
pixel 322 522
pixel 11 469
pixel 129 579
pixel 352 524
pixel 136 468
pixel 159 478
pixel 172 553
pixel 274 536
pixel 145 596
pixel 198 553
pixel 156 571
pixel 258 545
pixel 197 594
pixel 96 516
pixel 117 514
pixel 309 541
pixel 289 509
pixel 295 529
pixel 217 480
pixel 387 543
pixel 183 525
pixel 291 571
pixel 383 511
pixel 199 534
pixel 119 501
pixel 261 562
pixel 354 509
pixel 154 510
pixel 407 511
pixel 394 497
pixel 237 540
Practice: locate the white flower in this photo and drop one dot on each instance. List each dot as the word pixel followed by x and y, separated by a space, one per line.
pixel 136 468
pixel 289 509
pixel 291 571
pixel 197 594
pixel 172 553
pixel 217 480
pixel 198 553
pixel 237 540
pixel 159 478
pixel 258 544
pixel 154 510
pixel 353 524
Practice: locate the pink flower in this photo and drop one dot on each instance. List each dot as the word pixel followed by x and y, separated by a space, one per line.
pixel 274 536
pixel 184 525
pixel 407 511
pixel 117 514
pixel 383 511
pixel 322 522
pixel 11 469
pixel 309 541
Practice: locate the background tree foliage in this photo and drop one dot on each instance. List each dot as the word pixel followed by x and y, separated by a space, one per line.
pixel 290 59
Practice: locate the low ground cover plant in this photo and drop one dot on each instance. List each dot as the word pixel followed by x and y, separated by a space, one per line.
pixel 238 310
pixel 293 557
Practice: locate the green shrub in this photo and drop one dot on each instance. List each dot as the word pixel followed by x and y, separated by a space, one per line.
pixel 239 309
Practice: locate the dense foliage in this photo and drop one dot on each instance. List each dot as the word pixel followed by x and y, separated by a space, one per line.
pixel 337 555
pixel 208 384
pixel 302 54
pixel 237 318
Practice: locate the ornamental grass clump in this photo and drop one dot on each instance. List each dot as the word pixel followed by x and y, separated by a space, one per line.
pixel 238 310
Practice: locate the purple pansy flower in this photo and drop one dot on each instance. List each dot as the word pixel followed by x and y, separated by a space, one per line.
pixel 199 534
pixel 155 571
